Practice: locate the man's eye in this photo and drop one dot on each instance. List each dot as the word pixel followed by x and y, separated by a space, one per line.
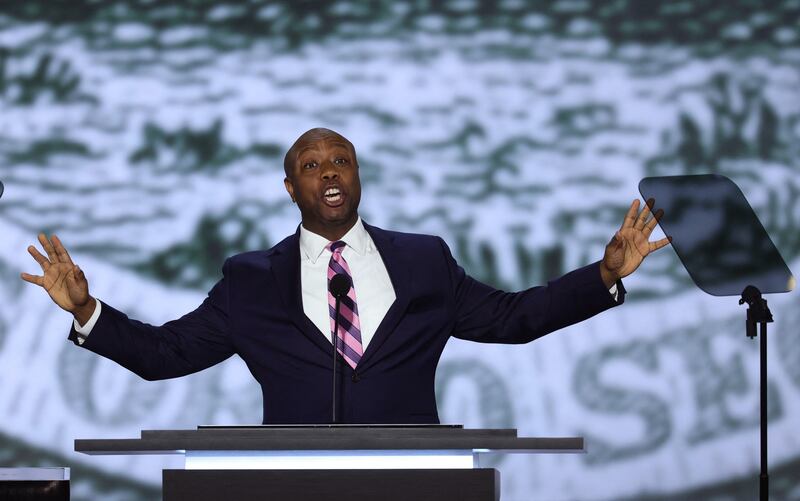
pixel 340 161
pixel 309 165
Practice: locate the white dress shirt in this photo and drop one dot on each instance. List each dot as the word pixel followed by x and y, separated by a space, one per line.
pixel 374 291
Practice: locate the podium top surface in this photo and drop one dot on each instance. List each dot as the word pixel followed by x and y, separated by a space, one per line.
pixel 328 438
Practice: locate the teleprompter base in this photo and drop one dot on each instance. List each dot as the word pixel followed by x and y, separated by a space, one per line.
pixel 482 484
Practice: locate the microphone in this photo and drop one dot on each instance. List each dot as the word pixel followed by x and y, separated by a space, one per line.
pixel 338 286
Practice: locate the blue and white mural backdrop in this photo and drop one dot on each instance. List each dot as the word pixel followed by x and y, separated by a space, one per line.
pixel 149 136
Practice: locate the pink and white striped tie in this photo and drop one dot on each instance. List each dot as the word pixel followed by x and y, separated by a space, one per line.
pixel 348 339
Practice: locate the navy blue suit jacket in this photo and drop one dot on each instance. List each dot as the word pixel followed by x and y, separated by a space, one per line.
pixel 256 311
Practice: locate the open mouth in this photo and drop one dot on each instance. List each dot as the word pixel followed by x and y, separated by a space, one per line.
pixel 333 196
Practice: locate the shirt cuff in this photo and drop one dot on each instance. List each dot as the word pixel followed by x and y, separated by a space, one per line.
pixel 612 290
pixel 86 329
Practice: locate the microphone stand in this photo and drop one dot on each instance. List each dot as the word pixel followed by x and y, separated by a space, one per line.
pixel 758 313
pixel 338 286
pixel 334 338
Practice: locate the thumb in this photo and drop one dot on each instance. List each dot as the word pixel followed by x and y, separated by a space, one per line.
pixel 76 279
pixel 71 277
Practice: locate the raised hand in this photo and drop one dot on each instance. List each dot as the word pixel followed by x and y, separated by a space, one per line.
pixel 62 279
pixel 631 244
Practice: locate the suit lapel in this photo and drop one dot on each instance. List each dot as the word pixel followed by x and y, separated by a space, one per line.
pixel 400 269
pixel 285 266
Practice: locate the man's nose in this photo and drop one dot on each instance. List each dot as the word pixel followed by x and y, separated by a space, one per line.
pixel 329 171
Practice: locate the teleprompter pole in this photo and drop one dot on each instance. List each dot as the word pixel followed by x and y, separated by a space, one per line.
pixel 758 314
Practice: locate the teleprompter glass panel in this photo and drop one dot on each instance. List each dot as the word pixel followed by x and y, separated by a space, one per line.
pixel 716 234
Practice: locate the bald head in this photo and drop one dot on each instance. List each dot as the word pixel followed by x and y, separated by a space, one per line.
pixel 307 139
pixel 322 178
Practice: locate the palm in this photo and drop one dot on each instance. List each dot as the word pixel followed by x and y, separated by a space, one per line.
pixel 632 244
pixel 62 280
pixel 60 283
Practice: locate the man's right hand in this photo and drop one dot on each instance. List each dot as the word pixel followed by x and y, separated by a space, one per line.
pixel 63 280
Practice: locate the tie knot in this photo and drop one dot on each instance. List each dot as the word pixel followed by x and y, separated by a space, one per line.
pixel 336 246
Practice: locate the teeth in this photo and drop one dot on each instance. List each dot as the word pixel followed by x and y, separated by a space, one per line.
pixel 331 192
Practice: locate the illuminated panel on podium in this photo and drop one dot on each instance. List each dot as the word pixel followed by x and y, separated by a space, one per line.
pixel 329 460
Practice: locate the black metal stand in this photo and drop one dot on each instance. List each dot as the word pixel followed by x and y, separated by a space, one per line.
pixel 334 339
pixel 758 313
pixel 338 286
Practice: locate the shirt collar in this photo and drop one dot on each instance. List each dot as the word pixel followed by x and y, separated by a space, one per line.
pixel 312 245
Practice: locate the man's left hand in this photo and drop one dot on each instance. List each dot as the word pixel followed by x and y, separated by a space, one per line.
pixel 631 244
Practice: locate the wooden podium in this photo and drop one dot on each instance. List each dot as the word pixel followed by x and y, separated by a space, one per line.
pixel 331 462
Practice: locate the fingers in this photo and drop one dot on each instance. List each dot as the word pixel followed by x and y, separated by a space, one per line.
pixel 34 279
pixel 654 246
pixel 48 248
pixel 642 218
pixel 61 251
pixel 43 262
pixel 56 252
pixel 650 225
pixel 630 217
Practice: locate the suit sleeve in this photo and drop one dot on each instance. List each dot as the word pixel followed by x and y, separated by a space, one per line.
pixel 489 315
pixel 189 344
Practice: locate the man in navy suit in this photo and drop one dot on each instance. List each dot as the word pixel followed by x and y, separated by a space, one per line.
pixel 407 296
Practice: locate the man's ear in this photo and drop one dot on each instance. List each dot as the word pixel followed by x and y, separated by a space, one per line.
pixel 289 187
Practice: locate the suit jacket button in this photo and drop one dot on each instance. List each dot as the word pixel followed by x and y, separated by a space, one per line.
pixel 356 378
